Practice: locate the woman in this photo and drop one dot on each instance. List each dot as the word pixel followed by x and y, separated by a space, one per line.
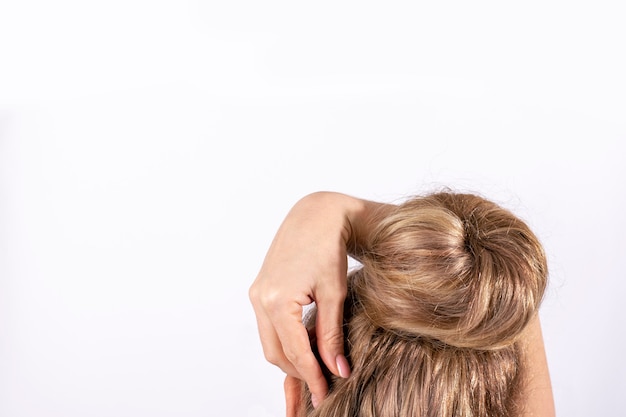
pixel 441 319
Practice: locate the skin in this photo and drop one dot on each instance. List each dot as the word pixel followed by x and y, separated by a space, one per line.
pixel 537 393
pixel 293 389
pixel 312 244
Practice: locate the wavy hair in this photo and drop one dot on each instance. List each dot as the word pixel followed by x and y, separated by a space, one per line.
pixel 447 284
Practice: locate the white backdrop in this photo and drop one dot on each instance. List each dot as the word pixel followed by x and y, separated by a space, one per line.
pixel 150 149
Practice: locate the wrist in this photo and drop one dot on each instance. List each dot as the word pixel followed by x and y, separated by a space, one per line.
pixel 353 217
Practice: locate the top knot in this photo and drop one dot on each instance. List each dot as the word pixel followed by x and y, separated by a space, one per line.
pixel 452 267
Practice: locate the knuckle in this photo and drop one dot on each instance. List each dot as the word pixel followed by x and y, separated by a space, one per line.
pixel 292 357
pixel 273 358
pixel 253 293
pixel 300 361
pixel 266 297
pixel 295 360
pixel 273 301
pixel 332 336
pixel 335 292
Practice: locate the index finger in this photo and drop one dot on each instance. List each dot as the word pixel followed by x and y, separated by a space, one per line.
pixel 294 338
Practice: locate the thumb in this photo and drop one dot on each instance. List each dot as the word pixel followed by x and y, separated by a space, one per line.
pixel 329 333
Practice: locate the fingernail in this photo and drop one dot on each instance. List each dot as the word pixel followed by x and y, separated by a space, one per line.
pixel 343 366
pixel 314 400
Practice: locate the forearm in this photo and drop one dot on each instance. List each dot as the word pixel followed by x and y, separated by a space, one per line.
pixel 332 210
pixel 354 216
pixel 537 389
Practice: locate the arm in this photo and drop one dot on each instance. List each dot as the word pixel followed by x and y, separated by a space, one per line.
pixel 306 262
pixel 537 388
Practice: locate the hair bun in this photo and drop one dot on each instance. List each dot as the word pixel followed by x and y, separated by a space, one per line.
pixel 452 267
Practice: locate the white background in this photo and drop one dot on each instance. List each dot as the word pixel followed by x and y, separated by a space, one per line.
pixel 150 149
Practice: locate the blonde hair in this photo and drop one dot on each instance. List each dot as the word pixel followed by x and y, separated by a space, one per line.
pixel 447 284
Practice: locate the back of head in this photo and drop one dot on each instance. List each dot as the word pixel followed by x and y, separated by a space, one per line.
pixel 447 284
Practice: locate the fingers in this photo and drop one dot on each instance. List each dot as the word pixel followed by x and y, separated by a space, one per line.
pixel 286 342
pixel 294 339
pixel 272 348
pixel 329 331
pixel 293 398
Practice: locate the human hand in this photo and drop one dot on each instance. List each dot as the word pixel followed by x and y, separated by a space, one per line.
pixel 306 262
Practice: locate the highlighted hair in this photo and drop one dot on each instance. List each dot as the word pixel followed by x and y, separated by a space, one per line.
pixel 447 284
